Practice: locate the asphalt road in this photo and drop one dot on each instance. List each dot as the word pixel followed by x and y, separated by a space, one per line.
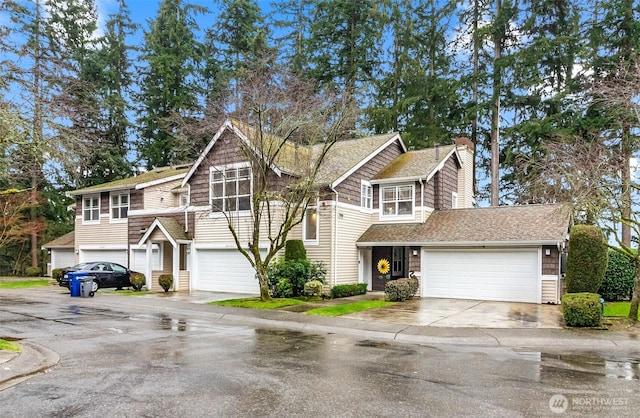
pixel 122 359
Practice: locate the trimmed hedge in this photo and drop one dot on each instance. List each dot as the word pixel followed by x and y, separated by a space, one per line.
pixel 137 281
pixel 313 288
pixel 165 281
pixel 296 273
pixel 32 271
pixel 294 250
pixel 346 290
pixel 586 260
pixel 401 289
pixel 581 309
pixel 619 278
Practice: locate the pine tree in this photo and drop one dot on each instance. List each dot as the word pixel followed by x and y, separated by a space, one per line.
pixel 168 88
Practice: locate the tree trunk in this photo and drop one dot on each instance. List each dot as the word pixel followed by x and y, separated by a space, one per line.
pixel 495 111
pixel 635 298
pixel 265 294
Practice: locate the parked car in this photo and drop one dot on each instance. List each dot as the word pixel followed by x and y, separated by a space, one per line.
pixel 105 273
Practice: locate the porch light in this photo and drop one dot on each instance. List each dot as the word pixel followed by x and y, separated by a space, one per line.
pixel 415 253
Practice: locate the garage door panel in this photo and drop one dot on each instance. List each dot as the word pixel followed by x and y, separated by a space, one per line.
pixel 225 271
pixel 506 275
pixel 115 256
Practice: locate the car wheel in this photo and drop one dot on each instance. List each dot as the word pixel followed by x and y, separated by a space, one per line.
pixel 95 286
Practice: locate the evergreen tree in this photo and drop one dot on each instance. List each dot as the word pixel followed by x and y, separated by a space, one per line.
pixel 168 87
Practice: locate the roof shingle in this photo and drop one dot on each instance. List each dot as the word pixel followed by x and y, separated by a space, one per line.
pixel 415 164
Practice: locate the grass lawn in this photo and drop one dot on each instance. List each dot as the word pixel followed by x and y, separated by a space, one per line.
pixel 617 309
pixel 7 346
pixel 348 308
pixel 22 284
pixel 255 303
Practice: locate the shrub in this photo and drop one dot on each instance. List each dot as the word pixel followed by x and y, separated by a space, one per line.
pixel 284 288
pixel 581 309
pixel 297 272
pixel 57 273
pixel 137 281
pixel 401 289
pixel 313 288
pixel 165 281
pixel 619 277
pixel 32 271
pixel 345 290
pixel 586 260
pixel 294 250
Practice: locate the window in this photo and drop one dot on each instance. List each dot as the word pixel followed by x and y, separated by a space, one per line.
pixel 397 200
pixel 230 189
pixel 91 209
pixel 184 199
pixel 397 262
pixel 366 195
pixel 119 205
pixel 310 224
pixel 454 200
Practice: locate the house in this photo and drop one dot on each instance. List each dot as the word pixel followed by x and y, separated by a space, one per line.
pixel 376 200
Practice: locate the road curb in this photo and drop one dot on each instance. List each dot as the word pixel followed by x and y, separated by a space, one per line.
pixel 33 359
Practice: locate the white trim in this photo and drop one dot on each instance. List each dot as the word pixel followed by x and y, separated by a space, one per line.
pixel 203 154
pixel 315 241
pixel 368 158
pixel 397 180
pixel 223 246
pixel 384 216
pixel 120 220
pixel 369 186
pixel 159 181
pixel 549 277
pixel 440 165
pixel 479 245
pixel 156 224
pixel 225 197
pixel 102 247
pixel 454 198
pixel 91 209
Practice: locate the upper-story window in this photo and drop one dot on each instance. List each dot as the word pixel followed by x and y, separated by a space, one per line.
pixel 119 206
pixel 396 200
pixel 454 200
pixel 184 199
pixel 231 188
pixel 366 195
pixel 91 209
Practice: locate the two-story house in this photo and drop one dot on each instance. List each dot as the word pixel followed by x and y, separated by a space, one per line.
pixel 376 201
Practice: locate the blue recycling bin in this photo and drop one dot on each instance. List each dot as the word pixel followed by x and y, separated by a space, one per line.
pixel 75 284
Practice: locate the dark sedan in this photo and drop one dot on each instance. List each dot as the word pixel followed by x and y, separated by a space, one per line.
pixel 105 273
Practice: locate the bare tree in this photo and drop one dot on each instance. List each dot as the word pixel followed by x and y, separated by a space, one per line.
pixel 288 129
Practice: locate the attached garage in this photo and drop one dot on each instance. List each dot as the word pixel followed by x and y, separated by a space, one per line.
pixel 113 255
pixel 224 270
pixel 495 274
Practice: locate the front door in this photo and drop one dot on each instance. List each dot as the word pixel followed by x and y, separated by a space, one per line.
pixel 381 267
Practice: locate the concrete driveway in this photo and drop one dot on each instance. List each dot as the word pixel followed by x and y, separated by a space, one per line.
pixel 436 312
pixel 433 312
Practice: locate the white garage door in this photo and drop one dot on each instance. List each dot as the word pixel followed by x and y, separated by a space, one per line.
pixel 115 256
pixel 225 271
pixel 503 275
pixel 62 258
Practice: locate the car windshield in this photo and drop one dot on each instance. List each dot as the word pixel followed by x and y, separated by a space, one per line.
pixel 82 266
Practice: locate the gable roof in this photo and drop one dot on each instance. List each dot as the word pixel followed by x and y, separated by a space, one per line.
pixel 419 164
pixel 149 178
pixel 171 229
pixel 345 157
pixel 502 225
pixel 68 240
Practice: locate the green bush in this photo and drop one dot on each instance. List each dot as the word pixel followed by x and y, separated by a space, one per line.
pixel 346 290
pixel 32 271
pixel 401 289
pixel 586 260
pixel 581 309
pixel 57 273
pixel 165 281
pixel 294 250
pixel 137 281
pixel 313 288
pixel 297 272
pixel 284 288
pixel 619 278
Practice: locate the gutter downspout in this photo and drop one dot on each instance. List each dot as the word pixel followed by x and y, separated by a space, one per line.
pixel 421 201
pixel 334 252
